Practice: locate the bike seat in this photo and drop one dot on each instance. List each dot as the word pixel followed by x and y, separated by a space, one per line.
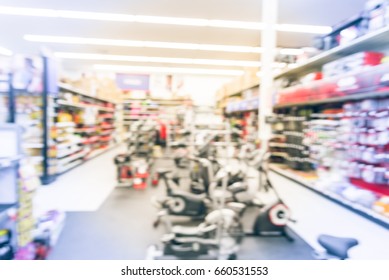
pixel 237 187
pixel 237 207
pixel 163 171
pixel 337 246
pixel 199 231
pixel 187 231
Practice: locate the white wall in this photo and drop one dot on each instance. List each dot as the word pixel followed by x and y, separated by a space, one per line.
pixel 203 89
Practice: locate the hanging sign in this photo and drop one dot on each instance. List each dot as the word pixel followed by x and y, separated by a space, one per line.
pixel 129 82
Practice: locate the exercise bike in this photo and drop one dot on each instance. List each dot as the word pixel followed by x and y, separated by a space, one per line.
pixel 183 203
pixel 270 219
pixel 215 238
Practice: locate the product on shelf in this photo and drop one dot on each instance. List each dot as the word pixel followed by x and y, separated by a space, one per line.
pixel 348 147
pixel 47 229
pixel 378 13
pixel 366 80
pixel 344 32
pixel 382 205
pixel 28 183
pixel 346 126
pixel 85 127
pixel 288 145
pixel 27 87
pixel 357 61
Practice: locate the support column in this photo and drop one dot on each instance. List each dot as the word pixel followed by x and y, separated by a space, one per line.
pixel 269 45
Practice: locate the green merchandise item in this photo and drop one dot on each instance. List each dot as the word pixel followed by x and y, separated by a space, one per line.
pixel 4 232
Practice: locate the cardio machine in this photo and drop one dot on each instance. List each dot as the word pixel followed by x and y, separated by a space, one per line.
pixel 270 219
pixel 215 238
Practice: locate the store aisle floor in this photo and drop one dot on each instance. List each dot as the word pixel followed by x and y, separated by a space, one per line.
pixel 84 188
pixel 122 227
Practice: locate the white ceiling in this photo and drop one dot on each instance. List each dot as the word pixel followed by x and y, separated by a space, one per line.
pixel 311 12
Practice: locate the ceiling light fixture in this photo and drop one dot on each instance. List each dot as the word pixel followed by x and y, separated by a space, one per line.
pixel 299 28
pixel 5 51
pixel 68 14
pixel 291 51
pixel 196 61
pixel 150 44
pixel 169 70
pixel 141 44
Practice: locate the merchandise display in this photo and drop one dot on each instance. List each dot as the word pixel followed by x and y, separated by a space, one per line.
pixel 134 166
pixel 18 220
pixel 31 113
pixel 85 127
pixel 374 17
pixel 4 90
pixel 343 128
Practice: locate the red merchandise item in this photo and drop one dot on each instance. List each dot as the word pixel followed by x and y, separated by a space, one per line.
pixel 162 130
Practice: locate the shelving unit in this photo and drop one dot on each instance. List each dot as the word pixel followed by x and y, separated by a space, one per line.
pixel 351 97
pixel 328 136
pixel 371 41
pixel 10 156
pixel 236 89
pixel 310 184
pixel 31 105
pixel 5 115
pixel 85 127
pixel 151 109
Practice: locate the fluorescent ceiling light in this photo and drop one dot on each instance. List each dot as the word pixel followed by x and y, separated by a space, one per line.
pixel 314 29
pixel 197 61
pixel 144 44
pixel 151 44
pixel 4 51
pixel 158 20
pixel 291 51
pixel 170 70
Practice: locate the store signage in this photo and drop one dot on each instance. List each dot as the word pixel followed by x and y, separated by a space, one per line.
pixel 129 82
pixel 243 106
pixel 255 103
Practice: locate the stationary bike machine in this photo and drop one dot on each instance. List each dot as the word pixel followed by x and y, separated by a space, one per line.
pixel 182 203
pixel 272 218
pixel 213 239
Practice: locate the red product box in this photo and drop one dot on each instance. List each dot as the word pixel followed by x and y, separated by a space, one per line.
pixel 324 89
